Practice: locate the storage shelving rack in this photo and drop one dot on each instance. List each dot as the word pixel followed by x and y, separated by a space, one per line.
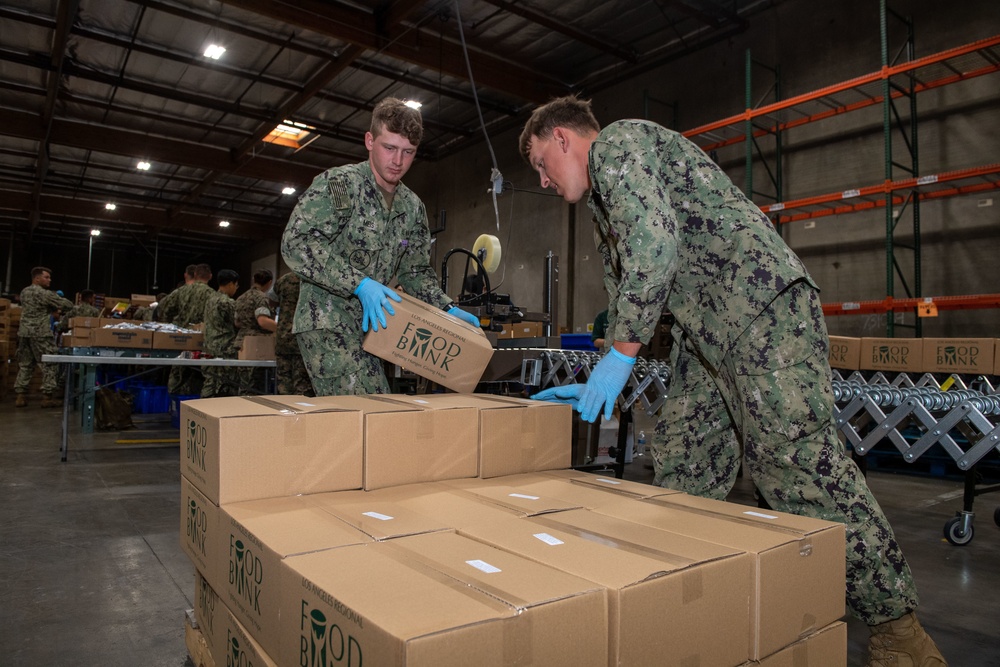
pixel 901 78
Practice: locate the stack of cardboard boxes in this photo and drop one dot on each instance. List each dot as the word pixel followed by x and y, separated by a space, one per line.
pixel 447 530
pixel 118 333
pixel 10 318
pixel 980 356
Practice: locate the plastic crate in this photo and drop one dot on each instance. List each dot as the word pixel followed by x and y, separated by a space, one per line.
pixel 175 407
pixel 150 399
pixel 579 341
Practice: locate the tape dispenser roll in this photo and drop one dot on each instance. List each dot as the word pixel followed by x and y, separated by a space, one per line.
pixel 491 257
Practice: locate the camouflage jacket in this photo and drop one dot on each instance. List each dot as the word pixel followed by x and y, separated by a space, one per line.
pixel 249 305
pixel 37 303
pixel 185 305
pixel 220 326
pixel 79 310
pixel 286 289
pixel 673 230
pixel 342 232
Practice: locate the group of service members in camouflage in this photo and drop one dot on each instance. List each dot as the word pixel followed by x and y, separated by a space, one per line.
pixel 751 379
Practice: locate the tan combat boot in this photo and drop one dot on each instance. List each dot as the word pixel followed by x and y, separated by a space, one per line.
pixel 903 643
pixel 21 401
pixel 49 402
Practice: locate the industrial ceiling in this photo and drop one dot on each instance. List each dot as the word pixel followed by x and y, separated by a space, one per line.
pixel 89 89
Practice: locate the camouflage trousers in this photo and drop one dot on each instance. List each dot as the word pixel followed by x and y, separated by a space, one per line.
pixel 338 369
pixel 773 395
pixel 293 378
pixel 29 352
pixel 184 381
pixel 220 381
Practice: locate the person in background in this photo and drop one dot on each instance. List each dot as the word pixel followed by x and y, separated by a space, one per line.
pixel 600 329
pixel 750 359
pixel 34 338
pixel 185 307
pixel 166 308
pixel 147 313
pixel 355 229
pixel 292 376
pixel 85 308
pixel 254 318
pixel 220 337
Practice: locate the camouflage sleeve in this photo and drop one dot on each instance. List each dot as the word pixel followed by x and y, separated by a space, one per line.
pixel 415 273
pixel 311 244
pixel 628 177
pixel 168 309
pixel 55 302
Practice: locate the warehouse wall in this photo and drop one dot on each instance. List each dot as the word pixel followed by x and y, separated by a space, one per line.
pixel 815 44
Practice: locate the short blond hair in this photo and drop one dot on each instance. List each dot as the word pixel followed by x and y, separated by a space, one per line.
pixel 569 112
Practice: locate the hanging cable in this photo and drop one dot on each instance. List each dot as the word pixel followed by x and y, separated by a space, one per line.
pixel 496 178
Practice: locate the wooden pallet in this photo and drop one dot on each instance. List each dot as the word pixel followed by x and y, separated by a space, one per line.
pixel 196 645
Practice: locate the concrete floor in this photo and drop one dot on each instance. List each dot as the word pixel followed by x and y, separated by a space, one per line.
pixel 91 571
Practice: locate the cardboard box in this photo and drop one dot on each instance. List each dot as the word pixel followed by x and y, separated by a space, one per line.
pixel 438 600
pixel 208 611
pixel 996 358
pixel 672 600
pixel 902 355
pixel 526 330
pixel 143 299
pixel 77 338
pixel 845 353
pixel 378 516
pixel 576 488
pixel 131 338
pixel 406 443
pixel 257 347
pixel 228 641
pixel 235 449
pixel 172 340
pixel 433 344
pixel 515 435
pixel 256 536
pixel 958 355
pixel 825 648
pixel 84 323
pixel 200 534
pixel 798 581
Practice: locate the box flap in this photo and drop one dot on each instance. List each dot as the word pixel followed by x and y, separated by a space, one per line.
pixel 380 518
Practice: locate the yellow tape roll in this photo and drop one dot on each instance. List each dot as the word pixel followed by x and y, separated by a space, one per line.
pixel 491 244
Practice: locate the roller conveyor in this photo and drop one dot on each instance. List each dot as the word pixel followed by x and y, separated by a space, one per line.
pixel 963 420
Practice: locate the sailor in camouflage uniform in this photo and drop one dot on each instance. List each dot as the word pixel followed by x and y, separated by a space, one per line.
pixel 292 376
pixel 751 355
pixel 254 318
pixel 184 307
pixel 220 337
pixel 85 308
pixel 353 230
pixel 34 337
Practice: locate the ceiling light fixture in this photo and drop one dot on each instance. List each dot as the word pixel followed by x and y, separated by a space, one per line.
pixel 109 206
pixel 288 191
pixel 143 165
pixel 223 223
pixel 214 51
pixel 413 104
pixel 95 232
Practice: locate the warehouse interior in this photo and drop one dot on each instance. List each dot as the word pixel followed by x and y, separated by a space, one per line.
pixel 92 89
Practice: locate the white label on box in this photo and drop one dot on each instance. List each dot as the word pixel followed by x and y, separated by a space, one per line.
pixel 521 495
pixel 608 481
pixel 417 400
pixel 380 517
pixel 548 539
pixel 762 516
pixel 483 566
pixel 308 405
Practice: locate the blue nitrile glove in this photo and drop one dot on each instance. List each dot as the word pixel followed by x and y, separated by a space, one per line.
pixel 374 298
pixel 602 389
pixel 455 311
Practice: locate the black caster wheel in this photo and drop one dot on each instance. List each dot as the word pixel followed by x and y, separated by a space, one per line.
pixel 953 532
